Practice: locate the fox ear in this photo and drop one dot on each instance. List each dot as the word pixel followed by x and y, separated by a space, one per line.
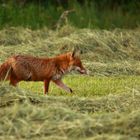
pixel 76 53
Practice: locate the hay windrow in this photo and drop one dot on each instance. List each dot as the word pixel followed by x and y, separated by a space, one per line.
pixel 119 49
pixel 26 116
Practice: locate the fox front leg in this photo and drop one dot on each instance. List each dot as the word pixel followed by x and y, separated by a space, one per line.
pixel 59 83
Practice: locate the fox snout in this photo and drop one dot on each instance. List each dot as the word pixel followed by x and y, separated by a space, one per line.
pixel 81 70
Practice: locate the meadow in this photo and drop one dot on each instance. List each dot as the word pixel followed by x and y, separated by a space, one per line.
pixel 104 104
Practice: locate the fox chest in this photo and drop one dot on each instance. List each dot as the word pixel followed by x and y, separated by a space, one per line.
pixel 60 74
pixel 57 76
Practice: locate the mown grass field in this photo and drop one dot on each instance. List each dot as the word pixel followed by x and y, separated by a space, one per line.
pixel 105 104
pixel 89 86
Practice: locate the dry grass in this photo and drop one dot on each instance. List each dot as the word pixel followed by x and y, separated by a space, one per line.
pixel 104 52
pixel 104 107
pixel 28 116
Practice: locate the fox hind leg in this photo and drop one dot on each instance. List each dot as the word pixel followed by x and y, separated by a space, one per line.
pixel 13 79
pixel 46 85
pixel 13 82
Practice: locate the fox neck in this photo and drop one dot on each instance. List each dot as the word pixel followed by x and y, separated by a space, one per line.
pixel 63 62
pixel 62 66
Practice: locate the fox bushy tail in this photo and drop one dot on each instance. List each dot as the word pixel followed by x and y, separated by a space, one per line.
pixel 5 70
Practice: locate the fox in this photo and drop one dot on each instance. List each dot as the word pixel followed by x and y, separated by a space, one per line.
pixel 30 68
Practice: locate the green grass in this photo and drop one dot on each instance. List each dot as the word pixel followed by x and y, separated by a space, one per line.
pixel 38 16
pixel 89 86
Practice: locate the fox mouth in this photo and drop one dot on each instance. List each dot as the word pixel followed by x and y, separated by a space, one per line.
pixel 82 71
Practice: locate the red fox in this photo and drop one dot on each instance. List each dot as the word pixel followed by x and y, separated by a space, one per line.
pixel 28 68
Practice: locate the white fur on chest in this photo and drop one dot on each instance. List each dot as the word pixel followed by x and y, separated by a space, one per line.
pixel 61 73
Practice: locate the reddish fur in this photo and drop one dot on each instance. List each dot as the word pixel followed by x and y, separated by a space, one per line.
pixel 28 68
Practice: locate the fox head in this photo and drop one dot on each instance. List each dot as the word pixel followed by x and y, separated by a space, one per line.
pixel 75 62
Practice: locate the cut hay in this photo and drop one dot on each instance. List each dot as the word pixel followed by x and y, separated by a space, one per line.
pixel 119 49
pixel 101 108
pixel 26 116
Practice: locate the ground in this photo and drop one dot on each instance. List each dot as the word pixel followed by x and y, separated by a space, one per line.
pixel 104 104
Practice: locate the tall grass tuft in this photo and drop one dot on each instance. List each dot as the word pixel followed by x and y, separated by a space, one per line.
pixel 85 16
pixel 31 16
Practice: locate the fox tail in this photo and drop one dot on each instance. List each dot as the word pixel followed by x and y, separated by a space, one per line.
pixel 5 70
